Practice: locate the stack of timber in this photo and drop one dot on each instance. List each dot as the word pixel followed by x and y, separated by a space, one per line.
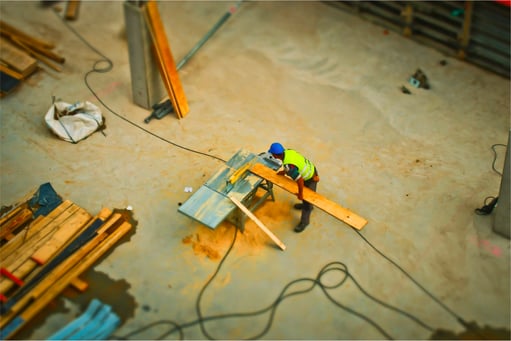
pixel 44 251
pixel 20 55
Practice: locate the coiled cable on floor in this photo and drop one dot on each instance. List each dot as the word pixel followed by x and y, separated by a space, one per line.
pixel 333 266
pixel 286 292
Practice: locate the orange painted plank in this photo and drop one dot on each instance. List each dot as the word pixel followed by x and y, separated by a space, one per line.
pixel 165 60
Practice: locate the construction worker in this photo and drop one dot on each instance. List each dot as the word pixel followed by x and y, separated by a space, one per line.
pixel 303 172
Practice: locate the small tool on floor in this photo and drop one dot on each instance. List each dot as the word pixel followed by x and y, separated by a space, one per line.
pixel 160 110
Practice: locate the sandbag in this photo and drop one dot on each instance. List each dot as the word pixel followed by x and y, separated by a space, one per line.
pixel 74 122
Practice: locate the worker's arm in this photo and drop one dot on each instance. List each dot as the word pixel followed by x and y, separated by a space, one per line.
pixel 300 188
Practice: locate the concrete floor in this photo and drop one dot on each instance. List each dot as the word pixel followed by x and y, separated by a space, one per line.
pixel 318 80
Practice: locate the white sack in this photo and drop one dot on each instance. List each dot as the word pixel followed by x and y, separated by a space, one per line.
pixel 74 122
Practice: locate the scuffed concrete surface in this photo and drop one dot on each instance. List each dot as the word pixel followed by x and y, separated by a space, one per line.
pixel 320 81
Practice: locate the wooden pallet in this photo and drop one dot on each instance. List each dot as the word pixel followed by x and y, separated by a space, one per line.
pixel 41 257
pixel 314 198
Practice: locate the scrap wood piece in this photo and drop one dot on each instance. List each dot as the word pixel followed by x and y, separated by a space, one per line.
pixel 258 222
pixel 32 230
pixel 5 27
pixel 20 42
pixel 21 217
pixel 38 56
pixel 165 59
pixel 314 198
pixel 19 60
pixel 72 9
pixel 63 236
pixel 13 323
pixel 26 249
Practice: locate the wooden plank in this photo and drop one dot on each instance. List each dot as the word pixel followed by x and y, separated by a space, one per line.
pixel 19 238
pixel 26 249
pixel 103 241
pixel 258 222
pixel 38 226
pixel 59 239
pixel 13 211
pixel 314 198
pixel 17 59
pixel 33 47
pixel 14 306
pixel 38 56
pixel 5 27
pixel 72 9
pixel 79 284
pixel 15 222
pixel 165 59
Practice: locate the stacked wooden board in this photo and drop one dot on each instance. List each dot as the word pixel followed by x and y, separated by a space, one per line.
pixel 42 254
pixel 20 55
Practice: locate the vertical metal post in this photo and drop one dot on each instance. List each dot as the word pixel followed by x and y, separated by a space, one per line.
pixel 502 223
pixel 146 84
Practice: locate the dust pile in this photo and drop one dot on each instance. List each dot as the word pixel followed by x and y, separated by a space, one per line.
pixel 214 243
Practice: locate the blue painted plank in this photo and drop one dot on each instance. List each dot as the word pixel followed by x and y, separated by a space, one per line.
pixel 106 328
pixel 78 323
pixel 11 327
pixel 93 324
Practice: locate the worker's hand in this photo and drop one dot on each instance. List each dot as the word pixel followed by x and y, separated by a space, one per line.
pixel 281 172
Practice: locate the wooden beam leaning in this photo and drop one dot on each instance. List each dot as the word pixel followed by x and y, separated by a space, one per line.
pixel 258 222
pixel 314 198
pixel 165 60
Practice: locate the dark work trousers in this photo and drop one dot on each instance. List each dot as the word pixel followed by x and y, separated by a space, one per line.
pixel 307 206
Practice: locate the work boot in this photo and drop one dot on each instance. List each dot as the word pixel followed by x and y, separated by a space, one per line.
pixel 300 227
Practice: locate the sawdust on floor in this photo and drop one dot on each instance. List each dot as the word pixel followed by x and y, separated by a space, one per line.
pixel 214 243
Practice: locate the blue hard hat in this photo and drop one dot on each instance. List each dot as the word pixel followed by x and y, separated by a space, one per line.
pixel 276 148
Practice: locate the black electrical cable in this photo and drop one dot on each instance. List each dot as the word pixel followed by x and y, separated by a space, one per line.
pixel 495 157
pixel 109 65
pixel 487 208
pixel 330 267
pixel 283 295
pixel 434 298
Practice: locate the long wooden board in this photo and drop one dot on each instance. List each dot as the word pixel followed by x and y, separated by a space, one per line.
pixel 258 222
pixel 165 60
pixel 314 198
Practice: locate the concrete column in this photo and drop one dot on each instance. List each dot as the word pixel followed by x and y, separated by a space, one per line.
pixel 146 83
pixel 502 224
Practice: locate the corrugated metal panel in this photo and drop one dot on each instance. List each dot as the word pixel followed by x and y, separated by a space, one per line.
pixel 476 31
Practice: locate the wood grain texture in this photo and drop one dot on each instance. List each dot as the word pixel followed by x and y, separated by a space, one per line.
pixel 314 198
pixel 165 60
